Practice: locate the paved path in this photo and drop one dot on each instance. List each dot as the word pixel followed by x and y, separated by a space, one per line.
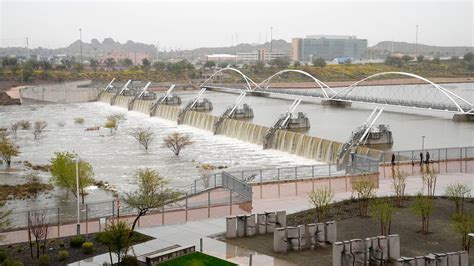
pixel 190 233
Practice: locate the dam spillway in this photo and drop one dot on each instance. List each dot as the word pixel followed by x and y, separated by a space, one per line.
pixel 306 146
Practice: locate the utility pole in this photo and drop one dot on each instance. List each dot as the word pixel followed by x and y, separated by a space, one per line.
pixel 80 42
pixel 271 42
pixel 416 42
pixel 27 48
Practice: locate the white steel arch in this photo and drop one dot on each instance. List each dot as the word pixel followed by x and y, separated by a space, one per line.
pixel 449 94
pixel 325 88
pixel 248 80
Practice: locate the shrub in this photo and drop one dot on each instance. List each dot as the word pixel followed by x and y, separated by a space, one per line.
pixel 77 241
pixel 19 250
pixel 63 255
pixel 43 260
pixel 321 198
pixel 61 244
pixel 365 190
pixel 79 120
pixel 128 260
pixel 87 248
pixel 10 262
pixel 3 255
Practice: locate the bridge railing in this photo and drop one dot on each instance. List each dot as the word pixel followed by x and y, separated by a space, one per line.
pixel 436 155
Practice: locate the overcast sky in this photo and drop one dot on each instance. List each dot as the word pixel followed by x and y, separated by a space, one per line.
pixel 185 25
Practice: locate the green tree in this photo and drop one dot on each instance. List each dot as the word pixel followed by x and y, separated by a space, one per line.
pixel 281 62
pixel 159 65
pixel 93 64
pixel 78 67
pixel 463 224
pixel 399 181
pixel 297 64
pixel 436 60
pixel 320 198
pixel 458 193
pixel 468 56
pixel 4 220
pixel 146 63
pixel 406 58
pixel 8 150
pixel 365 190
pixel 209 64
pixel 126 62
pixel 423 207
pixel 319 62
pixel 382 210
pixel 223 65
pixel 420 58
pixel 117 236
pixel 150 193
pixel 63 173
pixel 110 62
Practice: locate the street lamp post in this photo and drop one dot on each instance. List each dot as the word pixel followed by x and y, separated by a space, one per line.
pixel 80 42
pixel 77 193
pixel 422 143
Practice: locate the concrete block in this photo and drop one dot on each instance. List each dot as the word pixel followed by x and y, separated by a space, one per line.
pixel 320 233
pixel 311 235
pixel 280 219
pixel 399 262
pixel 231 227
pixel 453 258
pixel 337 250
pixel 408 261
pixel 358 250
pixel 420 261
pixel 301 237
pixel 292 235
pixel 262 223
pixel 330 232
pixel 463 258
pixel 393 247
pixel 430 260
pixel 441 259
pixel 271 220
pixel 280 240
pixel 241 225
pixel 250 227
pixel 347 257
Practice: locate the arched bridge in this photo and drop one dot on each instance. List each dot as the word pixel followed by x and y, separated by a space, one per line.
pixel 427 95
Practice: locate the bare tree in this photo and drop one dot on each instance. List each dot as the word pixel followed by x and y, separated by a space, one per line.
pixel 144 136
pixel 176 142
pixel 38 228
pixel 399 181
pixel 458 193
pixel 321 198
pixel 14 128
pixel 39 128
pixel 429 177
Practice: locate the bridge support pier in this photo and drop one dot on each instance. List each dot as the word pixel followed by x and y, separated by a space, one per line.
pixel 466 117
pixel 336 103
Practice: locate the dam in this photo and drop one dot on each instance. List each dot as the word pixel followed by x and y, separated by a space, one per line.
pixel 299 144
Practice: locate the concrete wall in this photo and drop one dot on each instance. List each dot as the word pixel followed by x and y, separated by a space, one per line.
pixel 68 92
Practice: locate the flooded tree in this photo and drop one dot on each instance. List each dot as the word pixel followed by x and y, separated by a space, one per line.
pixel 150 194
pixel 176 142
pixel 113 121
pixel 14 128
pixel 8 150
pixel 205 172
pixel 79 120
pixel 63 173
pixel 143 136
pixel 39 128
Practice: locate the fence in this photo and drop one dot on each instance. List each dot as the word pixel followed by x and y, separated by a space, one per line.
pixel 361 164
pixel 441 154
pixel 239 186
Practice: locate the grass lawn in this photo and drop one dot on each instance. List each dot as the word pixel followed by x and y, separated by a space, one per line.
pixel 197 259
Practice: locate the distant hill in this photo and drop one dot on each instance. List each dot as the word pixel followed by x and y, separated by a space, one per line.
pixel 429 50
pixel 96 49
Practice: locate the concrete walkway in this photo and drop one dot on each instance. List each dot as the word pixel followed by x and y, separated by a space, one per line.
pixel 190 233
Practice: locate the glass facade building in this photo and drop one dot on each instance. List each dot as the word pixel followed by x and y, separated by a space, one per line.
pixel 328 47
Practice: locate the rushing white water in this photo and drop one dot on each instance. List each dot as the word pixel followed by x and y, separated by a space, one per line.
pixel 115 156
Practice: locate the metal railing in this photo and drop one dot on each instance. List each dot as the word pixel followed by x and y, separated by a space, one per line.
pixel 239 186
pixel 361 164
pixel 440 154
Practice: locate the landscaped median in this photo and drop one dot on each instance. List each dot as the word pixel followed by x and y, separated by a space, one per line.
pixel 197 258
